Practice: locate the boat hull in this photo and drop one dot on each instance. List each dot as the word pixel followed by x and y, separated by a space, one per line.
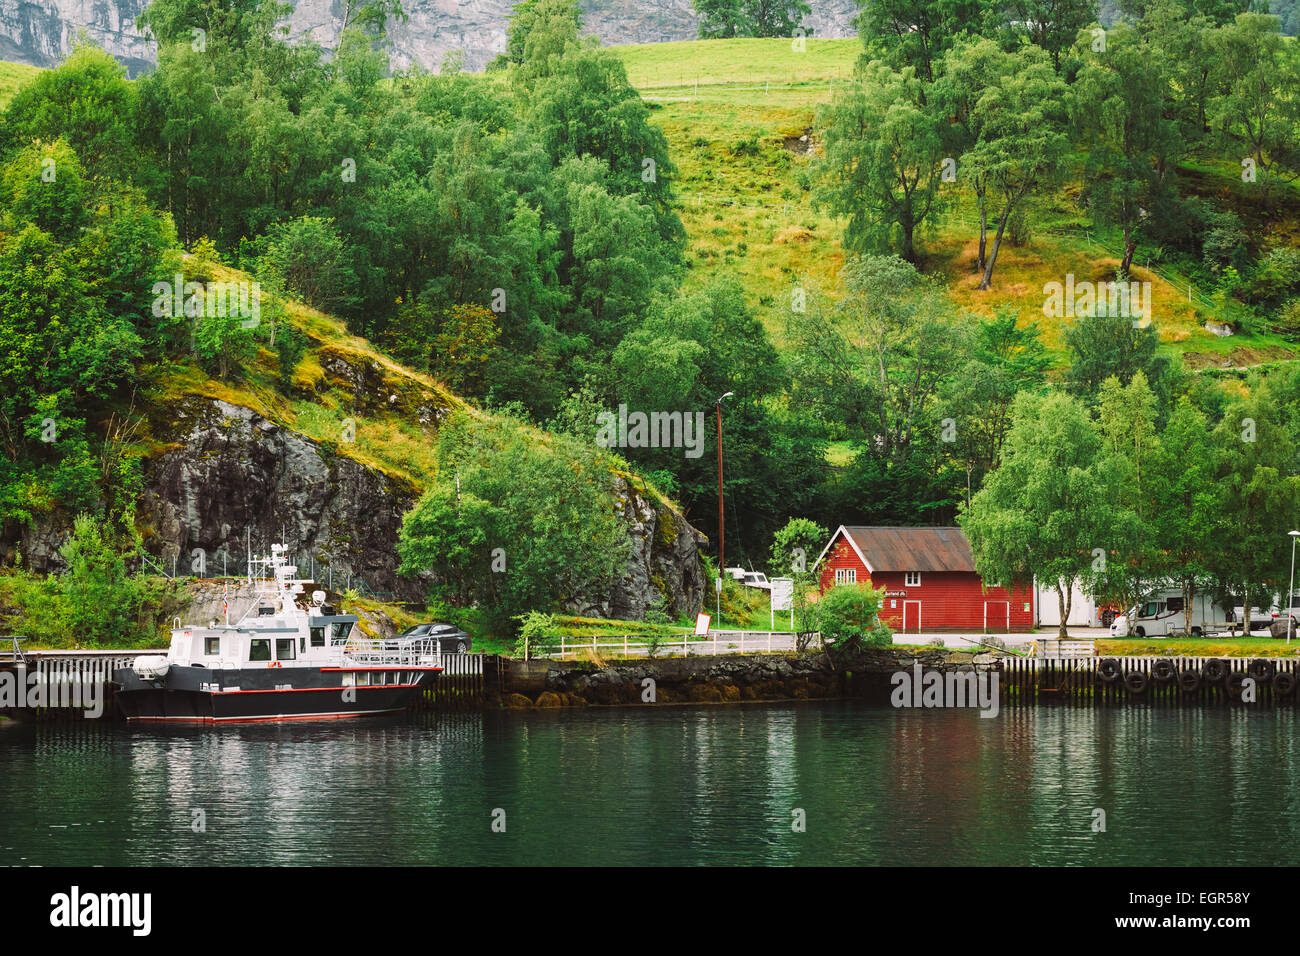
pixel 203 695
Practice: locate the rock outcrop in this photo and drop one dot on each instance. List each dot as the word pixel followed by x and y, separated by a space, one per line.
pixel 664 561
pixel 232 477
pixel 229 479
pixel 40 32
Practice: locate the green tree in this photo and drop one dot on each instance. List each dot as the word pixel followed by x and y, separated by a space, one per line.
pixel 102 601
pixel 539 30
pixel 1022 142
pixel 971 66
pixel 1052 25
pixel 1005 359
pixel 1187 516
pixel 1258 487
pixel 876 362
pixel 308 258
pixel 1126 417
pixel 1257 99
pixel 1124 104
pixel 1048 508
pixel 87 102
pixel 464 348
pixel 1102 346
pixel 749 18
pixel 917 33
pixel 793 555
pixel 513 524
pixel 883 159
pixel 44 184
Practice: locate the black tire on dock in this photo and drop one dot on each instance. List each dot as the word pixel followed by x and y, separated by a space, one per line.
pixel 1163 671
pixel 1108 670
pixel 1135 682
pixel 1284 683
pixel 1261 669
pixel 1189 680
pixel 1234 683
pixel 1214 671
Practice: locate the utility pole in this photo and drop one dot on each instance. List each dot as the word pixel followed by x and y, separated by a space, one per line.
pixel 1290 588
pixel 722 559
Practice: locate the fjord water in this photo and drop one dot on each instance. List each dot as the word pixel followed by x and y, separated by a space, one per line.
pixel 711 785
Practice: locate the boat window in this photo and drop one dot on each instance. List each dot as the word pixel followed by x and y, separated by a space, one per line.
pixel 212 646
pixel 341 631
pixel 302 645
pixel 259 650
pixel 318 636
pixel 363 679
pixel 284 648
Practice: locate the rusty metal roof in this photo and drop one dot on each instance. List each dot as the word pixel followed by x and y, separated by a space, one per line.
pixel 913 549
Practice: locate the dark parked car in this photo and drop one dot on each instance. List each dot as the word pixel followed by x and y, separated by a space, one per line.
pixel 451 639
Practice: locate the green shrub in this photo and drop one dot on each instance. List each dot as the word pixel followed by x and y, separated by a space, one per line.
pixel 848 617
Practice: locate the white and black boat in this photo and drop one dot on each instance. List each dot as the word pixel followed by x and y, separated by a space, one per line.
pixel 290 657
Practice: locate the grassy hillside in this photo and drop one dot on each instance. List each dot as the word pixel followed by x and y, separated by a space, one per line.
pixel 389 434
pixel 12 76
pixel 739 118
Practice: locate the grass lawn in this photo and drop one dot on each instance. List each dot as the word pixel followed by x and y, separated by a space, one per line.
pixel 1196 647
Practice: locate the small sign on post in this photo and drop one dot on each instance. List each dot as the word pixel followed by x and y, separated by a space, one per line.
pixel 782 597
pixel 701 624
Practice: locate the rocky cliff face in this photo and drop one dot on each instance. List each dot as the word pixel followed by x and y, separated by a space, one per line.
pixel 664 560
pixel 230 477
pixel 40 31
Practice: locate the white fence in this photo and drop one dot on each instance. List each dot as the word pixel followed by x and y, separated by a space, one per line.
pixel 717 642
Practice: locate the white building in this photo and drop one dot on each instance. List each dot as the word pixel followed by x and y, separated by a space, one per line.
pixel 1083 608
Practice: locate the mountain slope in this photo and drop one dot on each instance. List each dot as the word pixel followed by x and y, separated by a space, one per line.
pixel 40 33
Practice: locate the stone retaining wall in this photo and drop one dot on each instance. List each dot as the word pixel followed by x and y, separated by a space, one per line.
pixel 718 679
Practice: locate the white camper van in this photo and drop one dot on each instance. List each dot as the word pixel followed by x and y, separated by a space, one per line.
pixel 1162 614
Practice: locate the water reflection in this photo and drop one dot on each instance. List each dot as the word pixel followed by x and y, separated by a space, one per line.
pixel 664 786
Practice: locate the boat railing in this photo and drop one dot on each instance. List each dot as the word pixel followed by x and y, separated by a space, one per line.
pixel 378 652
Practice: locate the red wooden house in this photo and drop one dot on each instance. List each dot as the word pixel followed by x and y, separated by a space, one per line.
pixel 929 579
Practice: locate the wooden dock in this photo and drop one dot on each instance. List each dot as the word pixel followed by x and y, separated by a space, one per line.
pixel 460 686
pixel 1150 680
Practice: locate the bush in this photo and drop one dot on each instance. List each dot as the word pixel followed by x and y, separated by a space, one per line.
pixel 536 634
pixel 1287 321
pixel 848 617
pixel 1276 279
pixel 309 258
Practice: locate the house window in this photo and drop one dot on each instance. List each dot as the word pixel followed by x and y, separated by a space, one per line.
pixel 846 576
pixel 912 579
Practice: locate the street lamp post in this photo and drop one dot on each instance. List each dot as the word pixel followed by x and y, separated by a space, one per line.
pixel 722 560
pixel 1290 587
